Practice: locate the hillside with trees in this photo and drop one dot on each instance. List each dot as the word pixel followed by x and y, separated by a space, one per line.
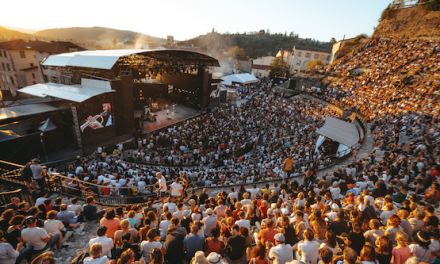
pixel 8 34
pixel 255 44
pixel 97 34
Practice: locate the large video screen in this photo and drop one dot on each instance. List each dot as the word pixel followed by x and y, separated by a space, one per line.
pixel 95 114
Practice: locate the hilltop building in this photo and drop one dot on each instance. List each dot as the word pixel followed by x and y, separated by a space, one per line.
pixel 298 58
pixel 20 62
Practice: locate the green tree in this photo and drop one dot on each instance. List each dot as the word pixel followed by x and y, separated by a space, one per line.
pixel 314 63
pixel 239 53
pixel 333 40
pixel 278 67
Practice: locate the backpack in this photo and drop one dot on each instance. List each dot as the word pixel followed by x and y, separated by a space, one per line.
pixel 80 259
pixel 26 172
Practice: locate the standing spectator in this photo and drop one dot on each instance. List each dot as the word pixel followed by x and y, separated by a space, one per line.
pixel 193 243
pixel 162 190
pixel 37 175
pixel 106 243
pixel 280 253
pixel 176 189
pixel 288 165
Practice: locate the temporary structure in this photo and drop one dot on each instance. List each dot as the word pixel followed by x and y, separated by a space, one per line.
pixel 244 78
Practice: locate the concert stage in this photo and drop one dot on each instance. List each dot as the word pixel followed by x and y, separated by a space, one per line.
pixel 181 113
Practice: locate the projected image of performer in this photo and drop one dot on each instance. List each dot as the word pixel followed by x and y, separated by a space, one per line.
pixel 99 121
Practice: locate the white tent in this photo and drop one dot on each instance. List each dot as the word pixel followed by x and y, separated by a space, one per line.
pixel 244 78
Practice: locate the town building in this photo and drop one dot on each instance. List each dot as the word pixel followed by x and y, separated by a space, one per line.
pixel 298 58
pixel 20 62
pixel 261 66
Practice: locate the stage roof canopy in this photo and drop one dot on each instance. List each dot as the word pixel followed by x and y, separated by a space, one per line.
pixel 30 109
pixel 244 78
pixel 76 93
pixel 340 131
pixel 106 59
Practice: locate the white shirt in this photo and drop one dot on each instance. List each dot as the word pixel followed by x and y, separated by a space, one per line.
pixel 162 184
pixel 172 207
pixel 233 195
pixel 244 222
pixel 309 251
pixel 281 254
pixel 40 201
pixel 53 226
pixel 107 245
pixel 101 260
pixel 146 248
pixel 176 188
pixel 76 208
pixel 164 224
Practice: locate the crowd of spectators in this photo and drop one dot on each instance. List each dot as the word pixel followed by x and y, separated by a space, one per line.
pixel 250 146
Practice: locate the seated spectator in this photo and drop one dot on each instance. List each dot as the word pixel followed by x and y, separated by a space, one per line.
pixel 280 253
pixel 8 255
pixel 68 216
pixel 14 204
pixel 127 245
pixel 75 207
pixel 150 244
pixel 236 245
pixel 174 246
pixel 96 256
pixel 112 223
pixel 105 242
pixel 38 237
pixel 125 228
pixel 53 226
pixel 7 216
pixel 193 243
pixel 90 210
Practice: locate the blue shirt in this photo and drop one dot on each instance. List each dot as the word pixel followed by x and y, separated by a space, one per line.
pixel 193 244
pixel 352 191
pixel 90 212
pixel 67 216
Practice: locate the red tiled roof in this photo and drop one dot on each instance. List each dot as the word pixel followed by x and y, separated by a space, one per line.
pixel 54 46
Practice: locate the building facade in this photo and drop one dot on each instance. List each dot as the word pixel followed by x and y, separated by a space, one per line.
pixel 22 62
pixel 261 67
pixel 298 58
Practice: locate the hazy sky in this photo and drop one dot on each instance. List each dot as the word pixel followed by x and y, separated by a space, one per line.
pixel 185 19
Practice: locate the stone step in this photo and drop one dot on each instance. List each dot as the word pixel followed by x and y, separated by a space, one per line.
pixel 82 227
pixel 68 236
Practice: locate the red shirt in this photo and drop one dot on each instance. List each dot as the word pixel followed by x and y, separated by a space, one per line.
pixel 267 234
